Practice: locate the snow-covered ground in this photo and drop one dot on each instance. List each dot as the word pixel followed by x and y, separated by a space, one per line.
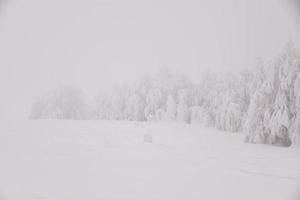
pixel 102 160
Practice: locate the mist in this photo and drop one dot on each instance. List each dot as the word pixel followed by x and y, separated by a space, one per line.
pixel 97 44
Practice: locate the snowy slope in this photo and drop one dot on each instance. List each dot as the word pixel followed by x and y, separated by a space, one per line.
pixel 102 160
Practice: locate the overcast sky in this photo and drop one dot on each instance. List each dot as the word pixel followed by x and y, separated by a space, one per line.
pixel 94 44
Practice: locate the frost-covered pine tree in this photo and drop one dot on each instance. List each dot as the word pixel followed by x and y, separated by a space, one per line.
pixel 296 137
pixel 274 123
pixel 153 103
pixel 62 102
pixel 259 76
pixel 171 109
pixel 183 114
pixel 208 98
pixel 135 108
pixel 259 104
pixel 284 114
pixel 280 122
pixel 229 115
pixel 197 116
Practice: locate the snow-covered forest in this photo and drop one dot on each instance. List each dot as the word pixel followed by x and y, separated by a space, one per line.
pixel 262 102
pixel 150 100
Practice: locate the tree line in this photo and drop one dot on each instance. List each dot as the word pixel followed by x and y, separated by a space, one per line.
pixel 263 102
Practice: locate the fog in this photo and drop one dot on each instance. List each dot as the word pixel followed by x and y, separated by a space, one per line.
pixel 95 44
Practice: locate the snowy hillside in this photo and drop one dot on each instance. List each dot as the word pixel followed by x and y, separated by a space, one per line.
pixel 109 160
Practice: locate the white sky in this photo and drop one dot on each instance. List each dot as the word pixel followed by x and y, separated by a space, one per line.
pixel 95 43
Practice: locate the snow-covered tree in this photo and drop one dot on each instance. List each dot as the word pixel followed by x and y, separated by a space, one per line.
pixel 171 109
pixel 229 115
pixel 276 120
pixel 197 115
pixel 63 102
pixel 296 136
pixel 285 111
pixel 153 101
pixel 254 125
pixel 183 114
pixel 135 108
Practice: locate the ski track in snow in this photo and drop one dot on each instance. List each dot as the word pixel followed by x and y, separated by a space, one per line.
pixel 107 160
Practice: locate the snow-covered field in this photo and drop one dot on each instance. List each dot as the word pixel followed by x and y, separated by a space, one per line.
pixel 102 160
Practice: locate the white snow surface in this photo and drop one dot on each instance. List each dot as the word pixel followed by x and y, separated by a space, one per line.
pixel 108 160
